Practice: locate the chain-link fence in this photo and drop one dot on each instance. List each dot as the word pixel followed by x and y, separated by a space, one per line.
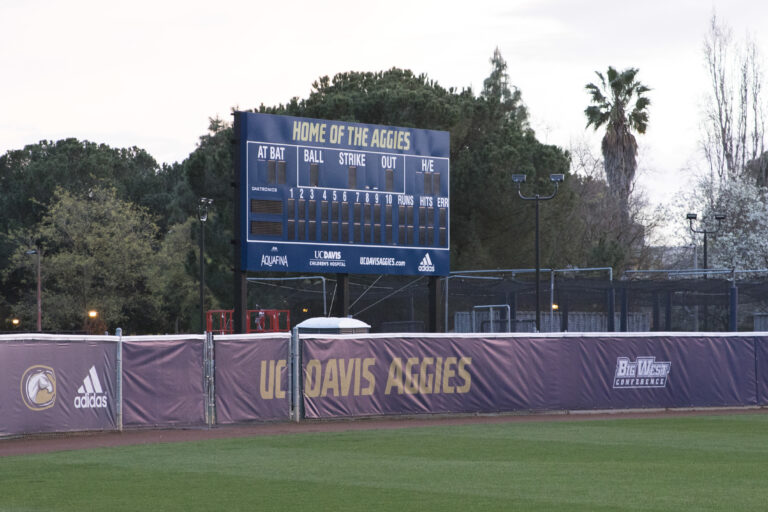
pixel 574 300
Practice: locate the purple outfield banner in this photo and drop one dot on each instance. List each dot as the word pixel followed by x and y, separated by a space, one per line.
pixel 658 371
pixel 163 381
pixel 373 375
pixel 57 384
pixel 252 378
pixel 360 376
pixel 761 357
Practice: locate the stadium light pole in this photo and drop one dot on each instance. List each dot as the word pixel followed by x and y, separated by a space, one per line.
pixel 519 179
pixel 202 214
pixel 39 290
pixel 719 217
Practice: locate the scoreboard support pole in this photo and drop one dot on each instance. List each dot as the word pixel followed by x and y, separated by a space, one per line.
pixel 240 290
pixel 239 318
pixel 435 320
pixel 341 304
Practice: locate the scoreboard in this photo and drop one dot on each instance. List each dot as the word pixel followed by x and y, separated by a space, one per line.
pixel 350 198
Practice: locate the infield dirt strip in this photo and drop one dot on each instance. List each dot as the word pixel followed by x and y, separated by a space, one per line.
pixel 44 443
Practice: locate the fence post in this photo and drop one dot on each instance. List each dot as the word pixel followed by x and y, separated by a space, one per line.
pixel 564 312
pixel 119 378
pixel 512 301
pixel 611 309
pixel 295 375
pixel 209 365
pixel 624 308
pixel 733 323
pixel 435 287
pixel 668 313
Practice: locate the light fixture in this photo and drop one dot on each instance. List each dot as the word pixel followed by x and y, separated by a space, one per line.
pixel 202 208
pixel 719 217
pixel 519 179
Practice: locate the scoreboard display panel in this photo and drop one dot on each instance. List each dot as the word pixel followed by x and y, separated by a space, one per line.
pixel 350 198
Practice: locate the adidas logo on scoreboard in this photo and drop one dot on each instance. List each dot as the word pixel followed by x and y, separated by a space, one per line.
pixel 91 395
pixel 426 264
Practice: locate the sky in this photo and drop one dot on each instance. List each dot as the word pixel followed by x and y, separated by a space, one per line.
pixel 150 73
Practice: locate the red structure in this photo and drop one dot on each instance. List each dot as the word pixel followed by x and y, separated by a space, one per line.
pixel 219 321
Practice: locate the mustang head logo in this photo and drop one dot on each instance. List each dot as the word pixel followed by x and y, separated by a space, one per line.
pixel 38 387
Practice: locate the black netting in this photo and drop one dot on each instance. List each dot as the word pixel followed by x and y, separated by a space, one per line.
pixel 504 301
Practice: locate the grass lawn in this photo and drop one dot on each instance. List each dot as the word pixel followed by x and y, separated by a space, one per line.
pixel 669 464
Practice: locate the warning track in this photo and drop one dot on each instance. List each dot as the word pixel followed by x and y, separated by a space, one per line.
pixel 45 443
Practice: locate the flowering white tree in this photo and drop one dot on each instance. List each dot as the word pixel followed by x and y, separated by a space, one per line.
pixel 733 130
pixel 742 241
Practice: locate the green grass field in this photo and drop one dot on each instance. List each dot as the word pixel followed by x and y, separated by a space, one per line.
pixel 668 464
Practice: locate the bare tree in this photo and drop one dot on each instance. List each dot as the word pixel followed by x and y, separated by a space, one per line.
pixel 733 136
pixel 603 237
pixel 584 161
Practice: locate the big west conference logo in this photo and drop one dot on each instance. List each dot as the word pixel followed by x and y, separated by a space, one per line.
pixel 426 264
pixel 644 372
pixel 38 387
pixel 90 395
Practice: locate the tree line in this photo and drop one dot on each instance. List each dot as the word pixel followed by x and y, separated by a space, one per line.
pixel 117 232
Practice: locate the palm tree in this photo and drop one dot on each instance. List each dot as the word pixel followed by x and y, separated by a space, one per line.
pixel 611 100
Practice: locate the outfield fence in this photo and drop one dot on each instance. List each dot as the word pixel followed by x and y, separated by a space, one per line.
pixel 52 383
